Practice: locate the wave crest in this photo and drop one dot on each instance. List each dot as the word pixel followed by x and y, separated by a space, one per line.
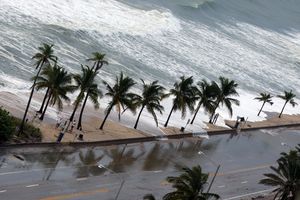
pixel 192 3
pixel 106 17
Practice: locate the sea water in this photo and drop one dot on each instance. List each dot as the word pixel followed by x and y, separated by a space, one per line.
pixel 254 42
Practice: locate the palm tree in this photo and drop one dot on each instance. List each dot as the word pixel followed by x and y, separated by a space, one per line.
pixel 184 93
pixel 39 88
pixel 59 83
pixel 45 55
pixel 289 98
pixel 44 101
pixel 93 93
pixel 206 95
pixel 265 98
pixel 54 79
pixel 120 96
pixel 92 90
pixel 98 60
pixel 190 185
pixel 82 81
pixel 151 97
pixel 224 94
pixel 286 177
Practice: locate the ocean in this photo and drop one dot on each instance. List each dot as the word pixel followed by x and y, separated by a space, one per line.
pixel 254 42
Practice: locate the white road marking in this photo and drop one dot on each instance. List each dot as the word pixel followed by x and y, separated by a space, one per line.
pixel 2 191
pixel 221 186
pixel 34 185
pixel 7 173
pixel 250 194
pixel 157 171
pixel 82 179
pixel 32 170
pixel 244 170
pixel 244 182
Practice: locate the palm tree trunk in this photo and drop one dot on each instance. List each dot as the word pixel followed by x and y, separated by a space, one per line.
pixel 81 112
pixel 198 108
pixel 282 109
pixel 30 97
pixel 213 113
pixel 103 122
pixel 137 120
pixel 43 114
pixel 74 110
pixel 94 65
pixel 261 108
pixel 166 124
pixel 44 101
pixel 99 66
pixel 73 113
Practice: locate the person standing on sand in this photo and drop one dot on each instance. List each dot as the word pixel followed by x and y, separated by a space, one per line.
pixel 58 123
pixel 73 125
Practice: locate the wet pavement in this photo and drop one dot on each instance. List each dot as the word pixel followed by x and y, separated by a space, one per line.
pixel 97 172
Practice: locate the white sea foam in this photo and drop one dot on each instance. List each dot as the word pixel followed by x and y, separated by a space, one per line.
pixel 192 3
pixel 105 16
pixel 13 84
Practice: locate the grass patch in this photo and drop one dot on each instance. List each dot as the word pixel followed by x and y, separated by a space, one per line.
pixel 9 130
pixel 30 132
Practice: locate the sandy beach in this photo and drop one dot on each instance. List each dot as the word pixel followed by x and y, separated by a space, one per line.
pixel 272 120
pixel 91 122
pixel 113 129
pixel 91 132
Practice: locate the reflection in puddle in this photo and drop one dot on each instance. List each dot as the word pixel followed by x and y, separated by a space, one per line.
pixel 88 164
pixel 232 151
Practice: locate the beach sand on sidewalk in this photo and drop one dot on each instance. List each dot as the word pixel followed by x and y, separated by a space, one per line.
pixel 91 132
pixel 112 130
pixel 274 120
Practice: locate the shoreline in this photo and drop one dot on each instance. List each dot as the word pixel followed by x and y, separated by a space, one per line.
pixel 120 133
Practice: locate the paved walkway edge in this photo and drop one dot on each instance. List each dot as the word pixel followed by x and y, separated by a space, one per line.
pixel 139 139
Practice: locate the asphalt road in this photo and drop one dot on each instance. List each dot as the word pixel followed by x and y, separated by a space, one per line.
pixel 98 172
